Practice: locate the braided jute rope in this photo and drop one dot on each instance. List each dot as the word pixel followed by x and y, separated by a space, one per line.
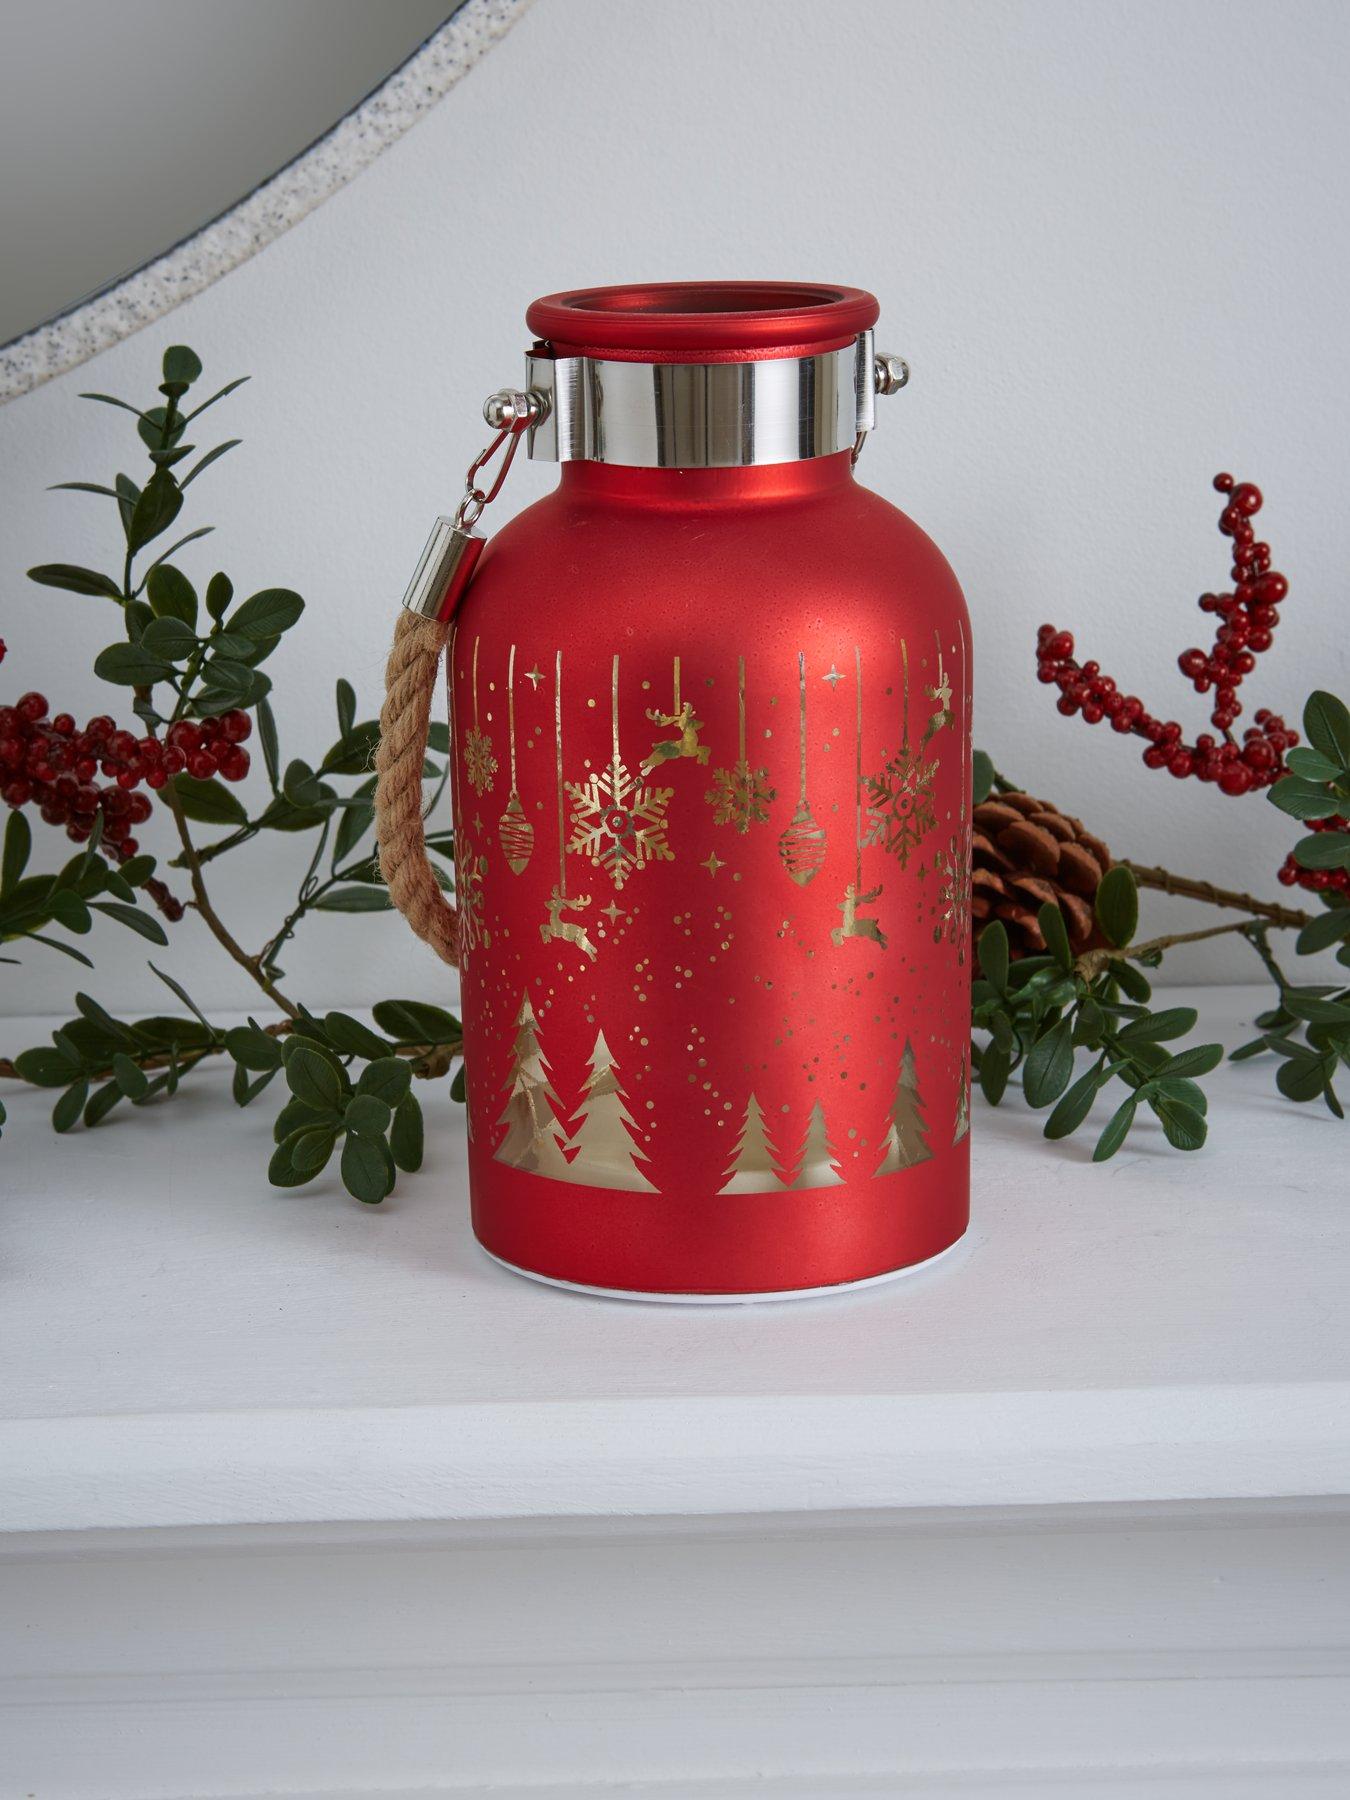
pixel 409 683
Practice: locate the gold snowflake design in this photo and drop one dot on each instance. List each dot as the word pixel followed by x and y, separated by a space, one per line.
pixel 469 900
pixel 479 762
pixel 619 823
pixel 952 866
pixel 900 803
pixel 740 796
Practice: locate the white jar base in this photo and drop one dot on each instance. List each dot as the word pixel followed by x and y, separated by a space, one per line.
pixel 807 1293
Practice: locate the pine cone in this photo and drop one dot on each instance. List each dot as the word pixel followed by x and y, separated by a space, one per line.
pixel 1025 852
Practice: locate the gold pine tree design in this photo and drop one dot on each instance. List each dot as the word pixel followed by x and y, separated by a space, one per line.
pixel 906 1140
pixel 755 1164
pixel 963 1102
pixel 605 1139
pixel 530 1115
pixel 818 1158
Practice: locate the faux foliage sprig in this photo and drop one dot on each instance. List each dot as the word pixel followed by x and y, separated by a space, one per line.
pixel 193 669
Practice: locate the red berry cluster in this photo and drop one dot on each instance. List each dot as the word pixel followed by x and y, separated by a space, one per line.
pixel 1317 881
pixel 49 763
pixel 1248 617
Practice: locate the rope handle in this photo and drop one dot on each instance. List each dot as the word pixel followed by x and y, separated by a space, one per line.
pixel 409 684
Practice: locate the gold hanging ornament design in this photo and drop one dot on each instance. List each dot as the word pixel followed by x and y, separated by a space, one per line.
pixel 740 796
pixel 618 822
pixel 513 828
pixel 479 761
pixel 900 796
pixel 556 928
pixel 854 924
pixel 802 845
pixel 953 865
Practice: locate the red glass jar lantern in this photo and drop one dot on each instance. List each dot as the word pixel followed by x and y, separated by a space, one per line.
pixel 709 708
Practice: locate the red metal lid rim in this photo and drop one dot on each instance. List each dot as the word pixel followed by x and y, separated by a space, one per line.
pixel 702 321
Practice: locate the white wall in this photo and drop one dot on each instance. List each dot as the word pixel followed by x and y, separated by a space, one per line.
pixel 1112 241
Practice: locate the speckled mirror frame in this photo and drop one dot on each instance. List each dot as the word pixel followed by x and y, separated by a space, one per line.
pixel 148 293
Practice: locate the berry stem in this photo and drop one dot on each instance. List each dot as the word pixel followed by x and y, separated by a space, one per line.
pixel 1091 962
pixel 1288 918
pixel 215 924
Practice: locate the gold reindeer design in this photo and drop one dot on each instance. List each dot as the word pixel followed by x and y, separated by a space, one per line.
pixel 682 719
pixel 686 744
pixel 854 927
pixel 564 929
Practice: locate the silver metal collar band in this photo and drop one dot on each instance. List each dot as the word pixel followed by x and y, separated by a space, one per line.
pixel 706 415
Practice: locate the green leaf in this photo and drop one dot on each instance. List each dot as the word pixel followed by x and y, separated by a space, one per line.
pixel 266 614
pixel 1314 1010
pixel 101 1103
pixel 405 1139
pixel 356 752
pixel 134 919
pixel 352 826
pixel 209 802
pixel 220 394
pixel 354 900
pixel 267 737
pixel 1327 929
pixel 388 1079
pixel 1117 1129
pixel 18 846
pixel 1326 724
pixel 169 637
pixel 46 1067
pixel 459 1088
pixel 210 457
pixel 367 1169
pixel 97 1016
pixel 129 1076
pixel 438 737
pixel 1154 1028
pixel 128 665
pixel 1183 1126
pixel 1301 1079
pixel 252 1048
pixel 281 1170
pixel 1076 1104
pixel 1198 1061
pixel 66 1112
pixel 171 594
pixel 1117 906
pixel 982 776
pixel 1301 799
pixel 346 706
pixel 992 953
pixel 1323 850
pixel 312 1077
pixel 1049 1063
pixel 178 543
pixel 1311 764
pixel 219 593
pixel 159 505
pixel 75 579
pixel 1056 935
pixel 296 1116
pixel 414 1022
pixel 352 1038
pixel 367 1116
pixel 69 910
pixel 311 1149
pixel 181 366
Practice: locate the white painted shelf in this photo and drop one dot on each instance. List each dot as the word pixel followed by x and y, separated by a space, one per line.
pixel 182 1345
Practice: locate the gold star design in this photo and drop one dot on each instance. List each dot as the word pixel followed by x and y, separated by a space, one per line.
pixel 613 911
pixel 534 676
pixel 713 864
pixel 833 676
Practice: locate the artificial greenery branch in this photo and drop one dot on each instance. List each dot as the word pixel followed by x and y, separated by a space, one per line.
pixel 198 695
